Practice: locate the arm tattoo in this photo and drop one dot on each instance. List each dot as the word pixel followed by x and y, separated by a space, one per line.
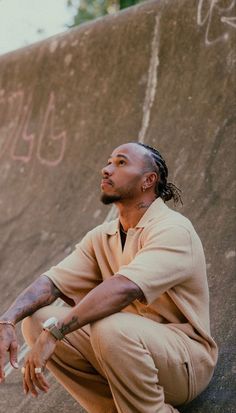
pixel 71 325
pixel 40 293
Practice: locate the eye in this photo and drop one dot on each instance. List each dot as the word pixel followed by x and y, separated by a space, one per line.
pixel 122 162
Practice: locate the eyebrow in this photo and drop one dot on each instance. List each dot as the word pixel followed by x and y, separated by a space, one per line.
pixel 119 155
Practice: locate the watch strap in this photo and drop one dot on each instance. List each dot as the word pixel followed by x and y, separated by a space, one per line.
pixel 56 333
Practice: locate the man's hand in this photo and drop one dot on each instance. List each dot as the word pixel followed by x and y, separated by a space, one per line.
pixel 40 293
pixel 8 343
pixel 37 358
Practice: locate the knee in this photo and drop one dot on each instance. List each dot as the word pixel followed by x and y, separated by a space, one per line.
pixel 111 333
pixel 28 329
pixel 31 326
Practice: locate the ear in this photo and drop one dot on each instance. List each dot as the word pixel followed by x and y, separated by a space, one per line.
pixel 150 179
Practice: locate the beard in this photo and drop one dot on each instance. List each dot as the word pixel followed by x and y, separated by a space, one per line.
pixel 122 194
pixel 109 199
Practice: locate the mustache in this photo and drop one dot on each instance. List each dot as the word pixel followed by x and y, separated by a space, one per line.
pixel 108 180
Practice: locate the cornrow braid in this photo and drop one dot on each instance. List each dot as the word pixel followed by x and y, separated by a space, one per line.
pixel 166 190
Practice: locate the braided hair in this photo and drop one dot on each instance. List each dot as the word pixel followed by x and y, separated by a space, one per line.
pixel 166 190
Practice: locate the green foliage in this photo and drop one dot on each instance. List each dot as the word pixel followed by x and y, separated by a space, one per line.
pixel 91 9
pixel 127 3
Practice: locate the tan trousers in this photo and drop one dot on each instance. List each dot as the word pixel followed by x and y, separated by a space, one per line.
pixel 124 363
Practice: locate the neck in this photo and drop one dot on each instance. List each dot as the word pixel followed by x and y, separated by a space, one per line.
pixel 130 213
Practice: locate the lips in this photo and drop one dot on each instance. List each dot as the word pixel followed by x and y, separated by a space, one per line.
pixel 106 182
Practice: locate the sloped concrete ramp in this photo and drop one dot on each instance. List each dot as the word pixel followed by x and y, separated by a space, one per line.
pixel 162 72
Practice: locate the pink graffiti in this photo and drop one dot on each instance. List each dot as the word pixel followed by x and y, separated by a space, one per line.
pixel 9 117
pixel 21 142
pixel 212 7
pixel 21 133
pixel 61 137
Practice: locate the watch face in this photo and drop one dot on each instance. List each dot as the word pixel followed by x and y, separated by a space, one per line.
pixel 50 322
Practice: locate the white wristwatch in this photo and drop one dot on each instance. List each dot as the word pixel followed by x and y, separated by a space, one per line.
pixel 51 325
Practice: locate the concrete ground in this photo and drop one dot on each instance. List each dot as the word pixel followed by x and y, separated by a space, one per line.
pixel 163 73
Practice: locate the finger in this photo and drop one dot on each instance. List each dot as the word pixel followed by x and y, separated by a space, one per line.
pixel 28 381
pixel 43 383
pixel 2 362
pixel 13 354
pixel 33 377
pixel 38 378
pixel 25 387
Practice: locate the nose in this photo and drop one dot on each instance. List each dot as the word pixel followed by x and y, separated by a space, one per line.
pixel 107 170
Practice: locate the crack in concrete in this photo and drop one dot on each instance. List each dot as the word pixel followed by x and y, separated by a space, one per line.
pixel 151 82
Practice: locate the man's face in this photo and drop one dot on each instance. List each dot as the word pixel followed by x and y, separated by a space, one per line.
pixel 122 177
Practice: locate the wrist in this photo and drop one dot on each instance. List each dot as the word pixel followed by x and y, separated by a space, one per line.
pixel 47 335
pixel 51 325
pixel 7 322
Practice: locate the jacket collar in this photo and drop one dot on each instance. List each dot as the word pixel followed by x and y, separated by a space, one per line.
pixel 156 211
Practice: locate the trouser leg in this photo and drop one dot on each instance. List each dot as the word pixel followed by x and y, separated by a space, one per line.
pixel 144 362
pixel 74 363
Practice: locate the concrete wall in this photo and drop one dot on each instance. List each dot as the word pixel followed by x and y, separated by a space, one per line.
pixel 162 72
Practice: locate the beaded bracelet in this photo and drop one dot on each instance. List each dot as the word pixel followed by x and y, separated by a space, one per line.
pixel 10 323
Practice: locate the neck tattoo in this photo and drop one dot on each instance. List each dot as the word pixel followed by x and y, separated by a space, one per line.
pixel 142 205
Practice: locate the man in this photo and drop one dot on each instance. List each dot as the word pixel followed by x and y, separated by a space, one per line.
pixel 137 339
